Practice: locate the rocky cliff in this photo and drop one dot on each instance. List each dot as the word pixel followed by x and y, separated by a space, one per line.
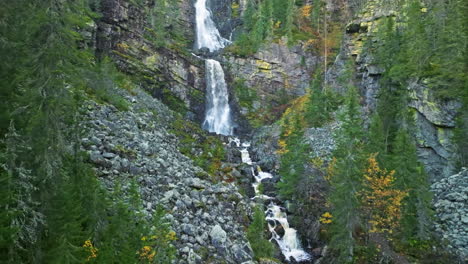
pixel 434 118
pixel 274 75
pixel 169 73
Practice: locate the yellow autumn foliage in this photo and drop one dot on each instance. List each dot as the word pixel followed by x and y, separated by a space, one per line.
pixel 282 147
pixel 147 253
pixel 292 116
pixel 306 10
pixel 123 46
pixel 381 201
pixel 89 247
pixel 326 218
pixel 331 169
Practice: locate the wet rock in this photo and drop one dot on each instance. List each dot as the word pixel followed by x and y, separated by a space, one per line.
pixel 279 229
pixel 269 187
pixel 275 69
pixel 96 157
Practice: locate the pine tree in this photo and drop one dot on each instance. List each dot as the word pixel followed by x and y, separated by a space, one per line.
pixel 322 103
pixel 416 40
pixel 264 25
pixel 65 221
pixel 158 21
pixel 161 238
pixel 124 228
pixel 249 16
pixel 282 16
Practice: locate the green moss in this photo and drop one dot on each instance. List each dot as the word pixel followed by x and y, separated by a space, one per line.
pixel 245 95
pixel 206 151
pixel 173 102
pixel 127 152
pixel 261 188
pixel 197 95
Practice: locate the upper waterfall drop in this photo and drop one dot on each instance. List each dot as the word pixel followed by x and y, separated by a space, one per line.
pixel 218 112
pixel 207 34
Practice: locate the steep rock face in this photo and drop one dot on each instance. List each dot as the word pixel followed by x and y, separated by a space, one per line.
pixel 275 73
pixel 434 118
pixel 208 218
pixel 276 68
pixel 226 15
pixel 168 73
pixel 264 147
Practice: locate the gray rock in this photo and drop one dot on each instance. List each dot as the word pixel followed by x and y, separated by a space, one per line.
pixel 239 253
pixel 196 183
pixel 108 155
pixel 189 229
pixel 95 156
pixel 218 236
pixel 452 211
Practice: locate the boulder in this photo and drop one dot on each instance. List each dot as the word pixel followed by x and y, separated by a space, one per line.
pixel 218 237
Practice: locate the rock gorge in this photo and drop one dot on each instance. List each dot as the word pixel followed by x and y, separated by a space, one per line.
pixel 235 131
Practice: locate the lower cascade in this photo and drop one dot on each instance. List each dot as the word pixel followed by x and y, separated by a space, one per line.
pixel 275 215
pixel 289 243
pixel 218 111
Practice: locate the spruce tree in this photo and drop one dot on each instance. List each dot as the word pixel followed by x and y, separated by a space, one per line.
pixel 346 182
pixel 293 160
pixel 261 247
pixel 20 218
pixel 377 142
pixel 411 177
pixel 249 16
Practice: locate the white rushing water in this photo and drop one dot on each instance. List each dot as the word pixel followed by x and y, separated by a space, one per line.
pixel 258 180
pixel 218 112
pixel 207 34
pixel 289 243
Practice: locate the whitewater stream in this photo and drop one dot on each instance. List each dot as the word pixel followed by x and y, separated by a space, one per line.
pixel 289 242
pixel 218 120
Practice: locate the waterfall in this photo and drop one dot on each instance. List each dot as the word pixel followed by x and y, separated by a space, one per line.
pixel 218 120
pixel 275 215
pixel 218 112
pixel 289 243
pixel 207 34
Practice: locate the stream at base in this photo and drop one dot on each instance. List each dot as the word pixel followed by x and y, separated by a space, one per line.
pixel 288 240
